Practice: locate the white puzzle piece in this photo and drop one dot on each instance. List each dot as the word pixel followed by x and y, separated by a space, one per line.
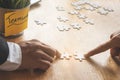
pixel 63 28
pixel 40 22
pixel 63 19
pixel 78 3
pixel 78 8
pixel 89 21
pixel 82 16
pixel 74 4
pixel 76 26
pixel 102 11
pixel 108 9
pixel 73 12
pixel 89 8
pixel 60 27
pixel 95 5
pixel 65 56
pixel 60 8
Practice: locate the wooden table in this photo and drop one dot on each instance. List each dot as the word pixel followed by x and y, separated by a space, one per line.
pixel 100 67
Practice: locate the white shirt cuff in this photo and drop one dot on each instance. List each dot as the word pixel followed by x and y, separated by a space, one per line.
pixel 14 58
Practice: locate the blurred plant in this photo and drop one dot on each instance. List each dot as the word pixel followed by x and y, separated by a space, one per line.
pixel 14 4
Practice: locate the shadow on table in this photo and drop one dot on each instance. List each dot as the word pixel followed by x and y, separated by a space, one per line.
pixel 110 71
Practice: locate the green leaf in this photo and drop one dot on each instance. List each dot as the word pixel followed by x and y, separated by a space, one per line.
pixel 14 4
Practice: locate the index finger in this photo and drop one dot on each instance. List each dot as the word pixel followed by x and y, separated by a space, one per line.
pixel 99 49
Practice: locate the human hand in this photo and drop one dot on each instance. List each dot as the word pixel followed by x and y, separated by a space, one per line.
pixel 113 44
pixel 37 55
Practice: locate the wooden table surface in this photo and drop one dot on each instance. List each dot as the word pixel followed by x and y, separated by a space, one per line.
pixel 100 67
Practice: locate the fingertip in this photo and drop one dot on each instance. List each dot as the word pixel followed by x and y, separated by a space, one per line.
pixel 58 54
pixel 86 55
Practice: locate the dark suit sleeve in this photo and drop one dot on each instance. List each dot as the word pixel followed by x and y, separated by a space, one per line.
pixel 4 50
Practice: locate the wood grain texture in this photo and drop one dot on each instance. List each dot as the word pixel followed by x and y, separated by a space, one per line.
pixel 99 67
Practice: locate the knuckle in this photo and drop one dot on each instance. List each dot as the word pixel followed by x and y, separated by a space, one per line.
pixel 111 36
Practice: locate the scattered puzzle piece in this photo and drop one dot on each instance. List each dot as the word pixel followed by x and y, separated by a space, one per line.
pixel 63 28
pixel 94 4
pixel 78 8
pixel 65 56
pixel 62 19
pixel 73 12
pixel 40 22
pixel 81 16
pixel 89 8
pixel 76 26
pixel 59 8
pixel 60 28
pixel 108 9
pixel 78 3
pixel 102 11
pixel 89 21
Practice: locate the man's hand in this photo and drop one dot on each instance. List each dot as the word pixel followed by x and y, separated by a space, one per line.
pixel 37 55
pixel 113 44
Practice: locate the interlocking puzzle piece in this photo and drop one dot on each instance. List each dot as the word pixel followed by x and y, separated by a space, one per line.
pixel 79 57
pixel 76 26
pixel 40 22
pixel 108 9
pixel 65 56
pixel 60 8
pixel 78 8
pixel 73 12
pixel 63 28
pixel 82 16
pixel 89 21
pixel 62 19
pixel 102 11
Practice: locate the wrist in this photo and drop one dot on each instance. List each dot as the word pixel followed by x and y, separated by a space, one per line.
pixel 14 58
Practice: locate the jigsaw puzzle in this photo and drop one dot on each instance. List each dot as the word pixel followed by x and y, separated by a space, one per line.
pixel 65 56
pixel 76 56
